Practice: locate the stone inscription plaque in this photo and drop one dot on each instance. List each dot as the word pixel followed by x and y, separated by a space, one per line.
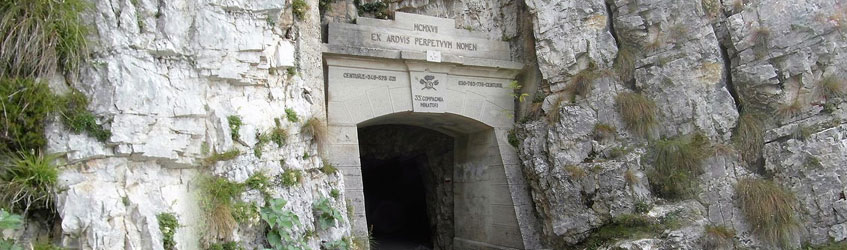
pixel 429 92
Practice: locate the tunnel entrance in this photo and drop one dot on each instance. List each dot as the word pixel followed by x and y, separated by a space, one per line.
pixel 406 174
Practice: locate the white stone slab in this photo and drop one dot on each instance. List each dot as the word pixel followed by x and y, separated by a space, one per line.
pixel 429 92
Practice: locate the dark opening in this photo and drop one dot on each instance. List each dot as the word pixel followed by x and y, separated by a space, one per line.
pixel 396 203
pixel 406 174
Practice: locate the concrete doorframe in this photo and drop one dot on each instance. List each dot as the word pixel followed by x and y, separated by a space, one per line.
pixel 492 204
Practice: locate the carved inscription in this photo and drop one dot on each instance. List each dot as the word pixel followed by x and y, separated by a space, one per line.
pixel 481 84
pixel 425 42
pixel 374 77
pixel 429 92
pixel 426 28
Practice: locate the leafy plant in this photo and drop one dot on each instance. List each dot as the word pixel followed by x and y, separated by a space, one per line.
pixel 334 193
pixel 749 137
pixel 292 177
pixel 337 245
pixel 299 8
pixel 326 214
pixel 638 112
pixel 512 136
pixel 258 181
pixel 770 209
pixel 38 35
pixel 29 181
pixel 291 115
pixel 516 88
pixel 244 211
pixel 9 221
pixel 377 9
pixel 234 126
pixel 642 207
pixel 78 119
pixel 167 225
pixel 282 224
pixel 291 71
pixel 676 165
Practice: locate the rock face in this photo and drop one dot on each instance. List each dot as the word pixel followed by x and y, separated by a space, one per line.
pixel 166 76
pixel 702 63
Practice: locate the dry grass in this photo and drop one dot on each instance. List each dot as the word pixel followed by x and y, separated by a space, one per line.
pixel 582 83
pixel 760 38
pixel 316 128
pixel 769 209
pixel 749 137
pixel 790 110
pixel 625 62
pixel 630 177
pixel 831 86
pixel 604 131
pixel 638 113
pixel 576 172
pixel 40 34
pixel 556 109
pixel 677 164
pixel 221 222
pixel 718 237
pixel 712 8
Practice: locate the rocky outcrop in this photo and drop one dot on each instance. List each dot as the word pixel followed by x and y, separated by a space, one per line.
pixel 702 63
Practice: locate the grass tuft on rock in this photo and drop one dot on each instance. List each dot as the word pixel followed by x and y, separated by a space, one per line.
pixel 555 109
pixel 625 62
pixel 625 226
pixel 328 168
pixel 299 8
pixel 292 177
pixel 749 137
pixel 676 165
pixel 218 197
pixel 28 182
pixel 638 112
pixel 225 156
pixel 718 237
pixel 582 83
pixel 604 131
pixel 770 209
pixel 317 129
pixel 39 35
pixel 24 108
pixel 79 119
pixel 234 126
pixel 832 86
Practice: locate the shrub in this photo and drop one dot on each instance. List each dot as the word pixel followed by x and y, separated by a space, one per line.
pixel 39 34
pixel 769 209
pixel 25 106
pixel 167 225
pixel 831 86
pixel 676 165
pixel 292 177
pixel 604 131
pixel 234 126
pixel 378 9
pixel 29 181
pixel 78 119
pixel 749 137
pixel 327 215
pixel 299 8
pixel 638 112
pixel 225 156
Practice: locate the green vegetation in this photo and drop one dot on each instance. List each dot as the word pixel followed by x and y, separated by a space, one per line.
pixel 336 244
pixel 78 119
pixel 324 6
pixel 829 246
pixel 582 83
pixel 328 168
pixel 279 135
pixel 40 34
pixel 512 136
pixel 555 109
pixel 334 193
pixel 261 141
pixel 9 221
pixel 576 172
pixel 676 165
pixel 25 107
pixel 718 237
pixel 749 137
pixel 243 211
pixel 229 245
pixel 292 177
pixel 225 156
pixel 516 91
pixel 327 215
pixel 604 131
pixel 638 112
pixel 234 126
pixel 832 86
pixel 770 208
pixel 218 198
pixel 642 207
pixel 790 110
pixel 167 225
pixel 812 162
pixel 377 9
pixel 299 8
pixel 624 226
pixel 625 62
pixel 290 71
pixel 291 115
pixel 258 181
pixel 712 7
pixel 281 225
pixel 28 182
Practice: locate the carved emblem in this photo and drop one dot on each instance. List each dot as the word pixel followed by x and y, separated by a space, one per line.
pixel 429 82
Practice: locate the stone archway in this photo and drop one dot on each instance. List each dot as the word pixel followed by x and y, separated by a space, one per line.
pixel 389 72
